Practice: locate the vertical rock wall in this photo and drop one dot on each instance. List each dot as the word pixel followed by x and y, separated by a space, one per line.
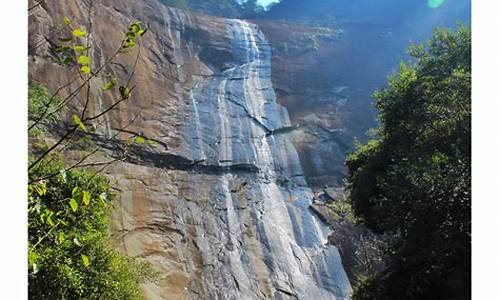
pixel 221 206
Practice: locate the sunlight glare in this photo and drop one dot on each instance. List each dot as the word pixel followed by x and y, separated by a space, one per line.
pixel 435 3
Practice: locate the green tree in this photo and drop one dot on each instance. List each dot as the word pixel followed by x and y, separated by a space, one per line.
pixel 413 181
pixel 69 254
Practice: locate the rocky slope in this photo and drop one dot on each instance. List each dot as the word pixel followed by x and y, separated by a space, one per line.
pixel 220 205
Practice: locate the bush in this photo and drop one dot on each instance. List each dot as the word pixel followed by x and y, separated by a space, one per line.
pixel 342 211
pixel 39 101
pixel 69 253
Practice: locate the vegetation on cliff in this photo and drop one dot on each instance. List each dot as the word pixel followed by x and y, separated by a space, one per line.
pixel 413 181
pixel 69 250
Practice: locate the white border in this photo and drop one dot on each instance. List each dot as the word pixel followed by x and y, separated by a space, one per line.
pixel 486 149
pixel 13 149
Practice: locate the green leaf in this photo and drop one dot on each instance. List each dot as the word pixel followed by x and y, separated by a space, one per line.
pixel 67 21
pixel 68 60
pixel 140 140
pixel 108 85
pixel 32 257
pixel 49 218
pixel 78 121
pixel 83 60
pixel 85 260
pixel 130 42
pixel 80 48
pixel 130 35
pixel 61 237
pixel 65 39
pixel 64 176
pixel 86 198
pixel 124 92
pixel 73 204
pixel 85 70
pixel 40 188
pixel 76 193
pixel 142 32
pixel 135 27
pixel 79 32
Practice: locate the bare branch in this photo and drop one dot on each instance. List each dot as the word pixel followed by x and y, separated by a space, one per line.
pixel 107 165
pixel 107 109
pixel 93 75
pixel 78 164
pixel 38 3
pixel 88 46
pixel 39 159
pixel 74 93
pixel 101 163
pixel 44 40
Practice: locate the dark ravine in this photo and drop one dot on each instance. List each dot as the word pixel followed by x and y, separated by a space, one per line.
pixel 222 212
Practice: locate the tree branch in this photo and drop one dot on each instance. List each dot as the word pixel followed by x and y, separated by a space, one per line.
pixel 68 133
pixel 38 3
pixel 78 164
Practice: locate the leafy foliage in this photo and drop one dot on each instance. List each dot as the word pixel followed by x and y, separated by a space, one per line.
pixel 39 100
pixel 414 180
pixel 69 253
pixel 342 211
pixel 78 121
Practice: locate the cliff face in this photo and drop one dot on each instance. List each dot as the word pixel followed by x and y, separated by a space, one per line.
pixel 221 205
pixel 327 110
pixel 325 74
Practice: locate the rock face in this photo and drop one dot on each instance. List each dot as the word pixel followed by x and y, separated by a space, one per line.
pixel 325 73
pixel 221 206
pixel 319 87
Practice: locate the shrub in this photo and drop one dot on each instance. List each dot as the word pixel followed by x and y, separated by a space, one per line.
pixel 69 254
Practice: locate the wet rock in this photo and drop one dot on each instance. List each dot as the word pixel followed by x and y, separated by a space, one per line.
pixel 221 210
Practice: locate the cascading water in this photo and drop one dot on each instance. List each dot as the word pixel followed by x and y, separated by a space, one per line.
pixel 274 247
pixel 219 205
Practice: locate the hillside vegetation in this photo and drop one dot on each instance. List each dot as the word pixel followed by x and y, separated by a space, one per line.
pixel 413 181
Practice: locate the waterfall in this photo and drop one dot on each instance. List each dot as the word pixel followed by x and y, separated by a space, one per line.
pixel 232 119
